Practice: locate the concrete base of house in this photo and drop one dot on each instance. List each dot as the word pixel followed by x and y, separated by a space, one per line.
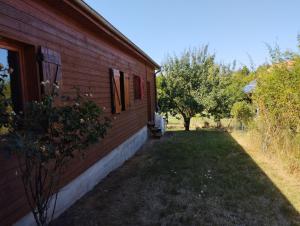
pixel 85 182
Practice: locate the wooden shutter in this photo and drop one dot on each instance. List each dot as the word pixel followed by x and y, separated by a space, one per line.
pixel 50 69
pixel 127 91
pixel 116 91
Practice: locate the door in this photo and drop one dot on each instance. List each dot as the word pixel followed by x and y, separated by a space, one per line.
pixel 149 110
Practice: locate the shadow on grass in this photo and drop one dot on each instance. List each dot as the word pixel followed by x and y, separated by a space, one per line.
pixel 231 185
pixel 189 178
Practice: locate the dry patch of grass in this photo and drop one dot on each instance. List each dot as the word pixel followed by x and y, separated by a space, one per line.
pixel 274 168
pixel 190 178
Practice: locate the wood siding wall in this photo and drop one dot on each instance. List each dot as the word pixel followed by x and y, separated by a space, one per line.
pixel 86 59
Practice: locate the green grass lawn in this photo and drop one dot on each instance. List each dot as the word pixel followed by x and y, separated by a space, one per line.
pixel 188 178
pixel 197 122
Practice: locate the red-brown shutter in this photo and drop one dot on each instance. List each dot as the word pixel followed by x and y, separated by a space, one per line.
pixel 127 91
pixel 50 69
pixel 116 91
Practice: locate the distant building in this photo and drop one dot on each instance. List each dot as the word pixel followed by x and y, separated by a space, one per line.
pixel 248 89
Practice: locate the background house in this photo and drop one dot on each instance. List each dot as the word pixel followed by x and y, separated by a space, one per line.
pixel 68 42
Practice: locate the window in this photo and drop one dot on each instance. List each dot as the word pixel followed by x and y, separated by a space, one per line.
pixel 23 81
pixel 11 73
pixel 137 84
pixel 18 62
pixel 120 91
pixel 11 77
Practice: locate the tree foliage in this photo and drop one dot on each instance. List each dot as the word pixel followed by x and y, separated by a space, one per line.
pixel 226 90
pixel 185 82
pixel 194 84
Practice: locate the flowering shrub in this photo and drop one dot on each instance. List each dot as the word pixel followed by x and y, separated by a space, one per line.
pixel 45 138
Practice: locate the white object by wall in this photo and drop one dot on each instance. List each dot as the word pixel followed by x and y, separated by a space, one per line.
pixel 160 122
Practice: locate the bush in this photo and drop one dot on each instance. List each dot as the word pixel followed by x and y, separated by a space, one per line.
pixel 277 97
pixel 242 112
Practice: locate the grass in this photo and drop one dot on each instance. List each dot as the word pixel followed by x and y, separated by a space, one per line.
pixel 276 168
pixel 231 188
pixel 189 178
pixel 176 123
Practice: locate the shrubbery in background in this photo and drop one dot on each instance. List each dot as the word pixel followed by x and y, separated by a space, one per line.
pixel 277 97
pixel 242 112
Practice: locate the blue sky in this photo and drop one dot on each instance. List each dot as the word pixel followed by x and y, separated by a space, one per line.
pixel 234 29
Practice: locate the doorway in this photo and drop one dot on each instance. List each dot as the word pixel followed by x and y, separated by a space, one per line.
pixel 149 105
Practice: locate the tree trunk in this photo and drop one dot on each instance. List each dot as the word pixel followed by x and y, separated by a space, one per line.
pixel 187 124
pixel 219 124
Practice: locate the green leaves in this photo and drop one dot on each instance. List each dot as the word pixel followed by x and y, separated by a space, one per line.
pixel 193 83
pixel 242 111
pixel 184 82
pixel 277 94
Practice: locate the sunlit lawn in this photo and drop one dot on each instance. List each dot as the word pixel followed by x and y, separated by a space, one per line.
pixel 287 183
pixel 176 123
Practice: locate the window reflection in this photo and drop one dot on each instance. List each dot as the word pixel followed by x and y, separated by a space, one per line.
pixel 10 63
pixel 10 75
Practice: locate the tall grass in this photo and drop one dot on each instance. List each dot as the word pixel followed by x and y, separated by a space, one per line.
pixel 279 143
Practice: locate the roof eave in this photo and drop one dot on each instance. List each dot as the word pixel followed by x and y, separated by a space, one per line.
pixel 115 31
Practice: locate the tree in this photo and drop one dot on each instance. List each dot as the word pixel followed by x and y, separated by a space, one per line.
pixel 227 90
pixel 45 138
pixel 185 83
